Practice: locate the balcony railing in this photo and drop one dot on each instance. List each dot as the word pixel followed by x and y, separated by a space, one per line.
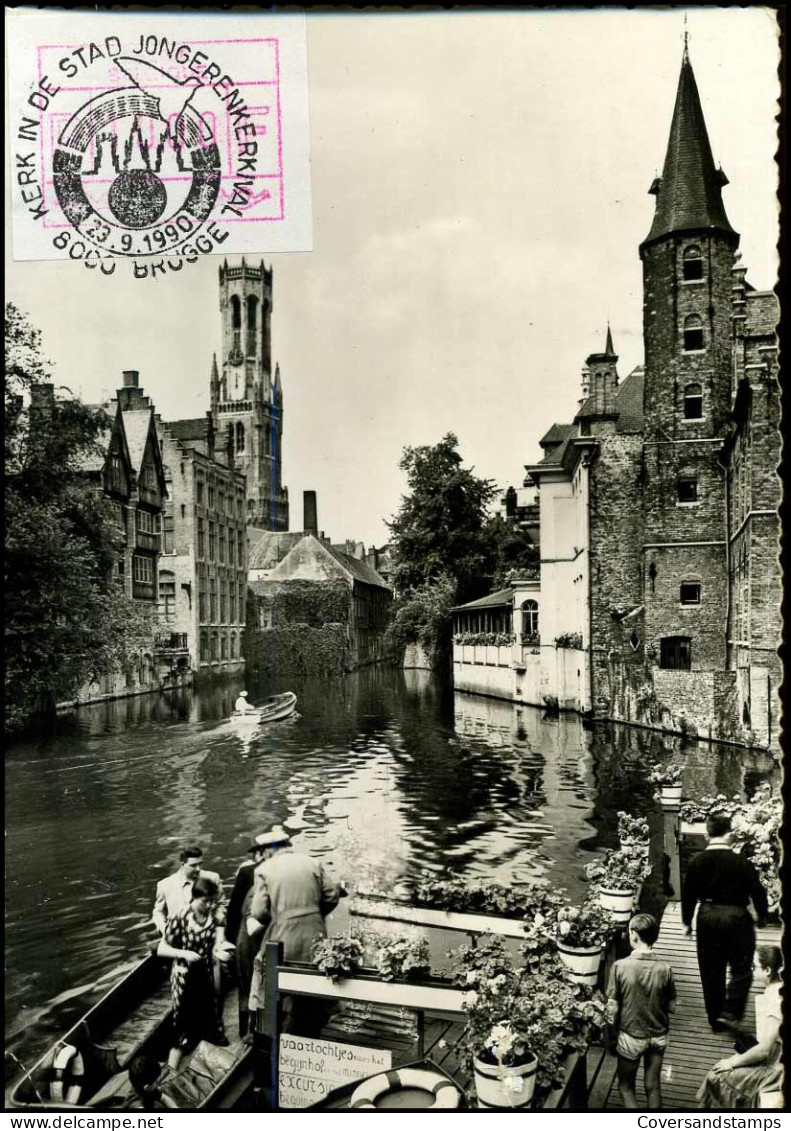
pixel 172 643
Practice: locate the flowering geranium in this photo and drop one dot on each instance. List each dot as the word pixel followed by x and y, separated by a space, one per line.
pixel 588 925
pixel 755 830
pixel 449 892
pixel 339 956
pixel 671 774
pixel 631 829
pixel 621 869
pixel 404 959
pixel 696 811
pixel 513 1013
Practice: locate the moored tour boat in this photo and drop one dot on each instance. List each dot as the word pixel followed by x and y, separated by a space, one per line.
pixel 87 1069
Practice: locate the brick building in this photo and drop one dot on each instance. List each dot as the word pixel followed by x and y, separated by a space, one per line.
pixel 683 526
pixel 203 567
pixel 659 529
pixel 128 469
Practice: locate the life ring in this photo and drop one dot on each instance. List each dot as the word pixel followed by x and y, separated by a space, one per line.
pixel 446 1094
pixel 67 1076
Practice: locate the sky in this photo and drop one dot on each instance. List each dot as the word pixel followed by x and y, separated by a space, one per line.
pixel 480 188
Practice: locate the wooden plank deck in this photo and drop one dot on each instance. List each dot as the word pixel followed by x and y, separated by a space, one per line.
pixel 693 1047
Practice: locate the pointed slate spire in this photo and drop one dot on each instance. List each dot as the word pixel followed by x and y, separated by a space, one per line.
pixel 689 192
pixel 608 348
pixel 215 373
pixel 278 386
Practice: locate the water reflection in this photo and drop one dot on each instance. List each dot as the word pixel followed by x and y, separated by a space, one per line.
pixel 381 774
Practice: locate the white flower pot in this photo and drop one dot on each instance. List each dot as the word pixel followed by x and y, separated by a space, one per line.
pixel 500 1086
pixel 671 796
pixel 582 962
pixel 619 902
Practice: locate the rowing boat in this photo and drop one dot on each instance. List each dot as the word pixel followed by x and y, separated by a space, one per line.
pixel 277 708
pixel 87 1069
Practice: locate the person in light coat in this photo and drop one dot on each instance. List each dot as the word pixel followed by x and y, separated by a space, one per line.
pixel 292 895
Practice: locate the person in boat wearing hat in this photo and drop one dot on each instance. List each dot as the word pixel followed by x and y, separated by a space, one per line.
pixel 241 705
pixel 292 895
pixel 236 928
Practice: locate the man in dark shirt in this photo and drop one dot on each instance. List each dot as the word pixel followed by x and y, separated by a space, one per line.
pixel 723 883
pixel 236 929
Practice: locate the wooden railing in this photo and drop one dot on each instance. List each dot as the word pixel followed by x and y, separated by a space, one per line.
pixel 425 999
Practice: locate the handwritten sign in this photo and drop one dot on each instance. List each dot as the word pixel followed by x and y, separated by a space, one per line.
pixel 309 1069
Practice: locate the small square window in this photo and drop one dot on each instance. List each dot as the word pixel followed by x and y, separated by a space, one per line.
pixel 687 490
pixel 693 269
pixel 693 340
pixel 690 592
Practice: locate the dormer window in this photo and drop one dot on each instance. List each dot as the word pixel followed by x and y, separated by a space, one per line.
pixel 692 267
pixel 694 341
pixel 693 401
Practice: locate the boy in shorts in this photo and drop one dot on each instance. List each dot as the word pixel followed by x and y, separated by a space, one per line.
pixel 641 996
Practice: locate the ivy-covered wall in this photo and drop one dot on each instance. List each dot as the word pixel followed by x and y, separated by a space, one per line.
pixel 299 627
pixel 299 649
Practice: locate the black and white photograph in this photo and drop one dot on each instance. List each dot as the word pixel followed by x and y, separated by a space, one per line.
pixel 392 562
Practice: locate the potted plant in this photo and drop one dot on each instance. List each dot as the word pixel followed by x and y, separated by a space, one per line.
pixel 521 1024
pixel 339 956
pixel 668 778
pixel 404 959
pixel 632 830
pixel 448 892
pixel 581 934
pixel 618 877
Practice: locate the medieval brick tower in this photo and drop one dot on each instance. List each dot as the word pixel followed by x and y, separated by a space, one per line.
pixel 688 260
pixel 246 396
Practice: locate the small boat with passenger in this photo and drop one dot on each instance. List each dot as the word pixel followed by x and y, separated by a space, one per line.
pixel 275 709
pixel 89 1068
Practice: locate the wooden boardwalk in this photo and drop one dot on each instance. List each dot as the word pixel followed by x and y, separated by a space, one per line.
pixel 693 1047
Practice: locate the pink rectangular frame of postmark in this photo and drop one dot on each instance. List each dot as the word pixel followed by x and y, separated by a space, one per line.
pixel 272 176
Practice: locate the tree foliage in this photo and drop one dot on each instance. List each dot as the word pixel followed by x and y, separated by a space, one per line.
pixel 424 617
pixel 66 620
pixel 441 526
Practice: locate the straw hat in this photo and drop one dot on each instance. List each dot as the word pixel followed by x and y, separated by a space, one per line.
pixel 276 835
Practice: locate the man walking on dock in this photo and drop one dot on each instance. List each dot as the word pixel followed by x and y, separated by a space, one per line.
pixel 723 883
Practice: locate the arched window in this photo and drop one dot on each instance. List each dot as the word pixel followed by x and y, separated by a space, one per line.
pixel 236 321
pixel 233 645
pixel 529 620
pixel 693 334
pixel 252 319
pixel 692 265
pixel 229 442
pixel 239 437
pixel 693 401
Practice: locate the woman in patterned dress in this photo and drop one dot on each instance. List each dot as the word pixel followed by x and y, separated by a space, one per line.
pixel 189 941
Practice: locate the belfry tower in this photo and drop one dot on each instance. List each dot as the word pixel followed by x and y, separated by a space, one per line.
pixel 246 396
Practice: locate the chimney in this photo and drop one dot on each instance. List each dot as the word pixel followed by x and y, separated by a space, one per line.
pixel 310 521
pixel 131 378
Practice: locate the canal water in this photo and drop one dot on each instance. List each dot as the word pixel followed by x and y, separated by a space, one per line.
pixel 380 774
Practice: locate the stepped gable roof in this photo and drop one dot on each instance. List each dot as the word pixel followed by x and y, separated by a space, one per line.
pixel 689 192
pixel 194 429
pixel 136 425
pixel 359 570
pixel 629 402
pixel 503 598
pixel 271 548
